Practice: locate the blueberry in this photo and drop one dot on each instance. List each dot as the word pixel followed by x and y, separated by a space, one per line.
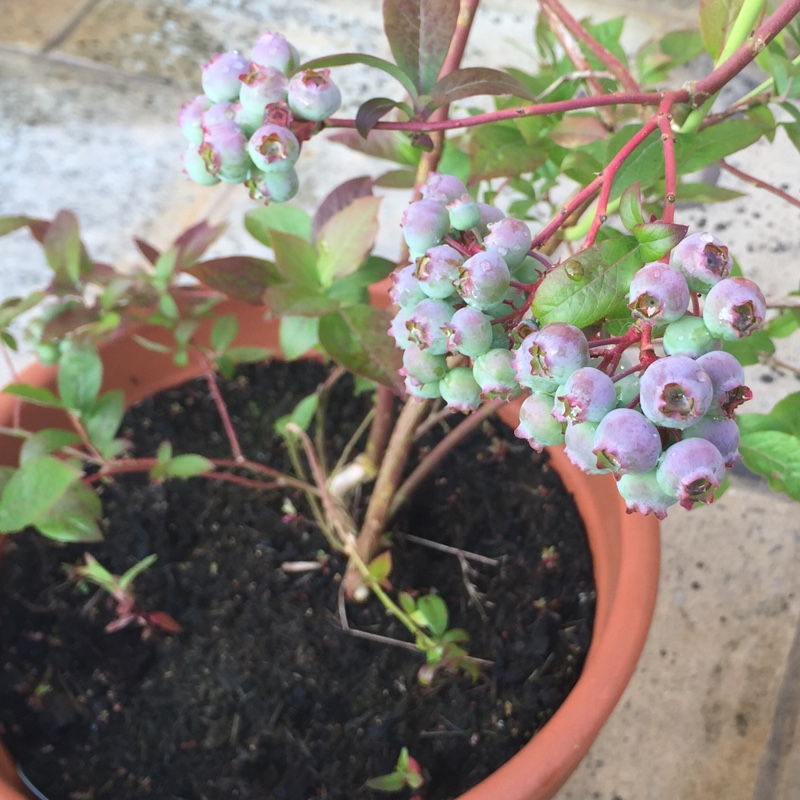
pixel 273 148
pixel 494 373
pixel 734 308
pixel 424 223
pixel 702 259
pixel 587 395
pixel 460 390
pixel 226 146
pixel 464 213
pixel 313 95
pixel 190 118
pixel 275 187
pixel 273 50
pixel 689 336
pixel 489 214
pixel 221 76
pixel 658 293
pixel 722 433
pixel 260 87
pixel 547 357
pixel 438 270
pixel 406 291
pixel 579 441
pixel 483 279
pixel 643 493
pixel 536 423
pixel 626 441
pixel 691 470
pixel 198 169
pixel 443 188
pixel 425 325
pixel 421 366
pixel 469 333
pixel 675 392
pixel 727 382
pixel 511 238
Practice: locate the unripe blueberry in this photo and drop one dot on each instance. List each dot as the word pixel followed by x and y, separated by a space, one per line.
pixel 734 308
pixel 536 423
pixel 722 433
pixel 529 270
pixel 626 441
pixel 313 95
pixel 483 279
pixel 219 113
pixel 422 391
pixel 424 223
pixel 190 118
pixel 443 188
pixel 425 326
pixel 489 214
pixel 398 330
pixel 422 366
pixel 273 50
pixel 464 213
pixel 703 260
pixel 643 493
pixel 221 76
pixel 273 148
pixel 225 146
pixel 547 357
pixel 460 390
pixel 579 441
pixel 275 187
pixel 495 374
pixel 627 388
pixel 260 87
pixel 469 332
pixel 691 469
pixel 586 396
pixel 727 381
pixel 511 238
pixel 438 270
pixel 406 291
pixel 675 392
pixel 689 336
pixel 658 293
pixel 198 169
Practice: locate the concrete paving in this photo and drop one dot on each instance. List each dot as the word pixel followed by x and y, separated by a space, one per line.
pixel 89 91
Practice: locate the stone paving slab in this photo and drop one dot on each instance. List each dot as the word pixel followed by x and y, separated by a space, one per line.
pixel 34 23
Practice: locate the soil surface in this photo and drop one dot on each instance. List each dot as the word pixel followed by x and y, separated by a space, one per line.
pixel 263 694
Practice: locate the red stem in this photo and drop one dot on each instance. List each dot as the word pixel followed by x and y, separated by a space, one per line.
pixel 222 409
pixel 664 117
pixel 759 183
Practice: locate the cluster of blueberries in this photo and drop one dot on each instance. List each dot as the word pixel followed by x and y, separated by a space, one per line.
pixel 248 125
pixel 663 427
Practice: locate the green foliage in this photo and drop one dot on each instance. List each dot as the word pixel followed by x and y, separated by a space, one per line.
pixel 406 773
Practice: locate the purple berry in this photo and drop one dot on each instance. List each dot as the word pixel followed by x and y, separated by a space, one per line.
pixel 273 50
pixel 675 392
pixel 438 270
pixel 734 308
pixel 273 148
pixel 689 336
pixel 464 213
pixel 702 259
pixel 536 423
pixel 198 169
pixel 547 357
pixel 275 187
pixel 579 440
pixel 658 293
pixel 443 188
pixel 691 470
pixel 190 118
pixel 260 87
pixel 225 146
pixel 221 76
pixel 722 433
pixel 425 326
pixel 219 113
pixel 586 396
pixel 489 214
pixel 313 95
pixel 460 390
pixel 643 493
pixel 626 441
pixel 483 280
pixel 511 238
pixel 727 381
pixel 424 223
pixel 422 366
pixel 494 373
pixel 469 333
pixel 406 291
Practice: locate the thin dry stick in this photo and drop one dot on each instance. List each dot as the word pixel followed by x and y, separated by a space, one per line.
pixel 759 183
pixel 453 551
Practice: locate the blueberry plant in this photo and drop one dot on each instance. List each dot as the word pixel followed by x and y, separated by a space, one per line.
pixel 542 265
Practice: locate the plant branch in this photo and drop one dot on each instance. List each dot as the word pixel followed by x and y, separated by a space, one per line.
pixel 759 183
pixel 222 410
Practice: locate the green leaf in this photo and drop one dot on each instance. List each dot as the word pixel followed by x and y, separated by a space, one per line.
pixel 37 395
pixel 749 349
pixel 381 566
pixel 339 199
pixel 419 33
pixel 716 19
pixel 407 602
pixel 73 517
pixel 499 150
pixel 102 421
pixel 472 82
pixel 164 268
pixel 393 782
pixel 63 250
pixel 296 259
pixel 302 415
pixel 277 217
pixel 288 299
pixel 194 241
pixel 784 416
pixel 187 466
pixel 371 112
pixel 776 456
pixel 298 335
pixel 11 223
pixel 12 307
pixel 240 277
pixel 346 238
pixel 630 207
pixel 705 193
pixel 80 374
pixel 656 239
pixel 130 575
pixel 390 145
pixel 33 490
pixel 345 59
pixel 46 441
pixel 588 286
pixel 434 611
pixel 247 355
pixel 224 332
pixel 357 338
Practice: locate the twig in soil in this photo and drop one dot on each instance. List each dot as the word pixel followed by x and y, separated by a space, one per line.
pixel 455 551
pixel 373 637
pixel 473 593
pixel 539 671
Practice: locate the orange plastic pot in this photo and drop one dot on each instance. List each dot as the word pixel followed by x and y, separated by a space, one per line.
pixel 625 550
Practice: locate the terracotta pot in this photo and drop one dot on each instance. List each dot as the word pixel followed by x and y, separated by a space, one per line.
pixel 625 549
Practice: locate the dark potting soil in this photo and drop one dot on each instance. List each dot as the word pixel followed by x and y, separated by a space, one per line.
pixel 263 694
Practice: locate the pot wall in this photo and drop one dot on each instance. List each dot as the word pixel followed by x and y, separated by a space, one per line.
pixel 625 549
